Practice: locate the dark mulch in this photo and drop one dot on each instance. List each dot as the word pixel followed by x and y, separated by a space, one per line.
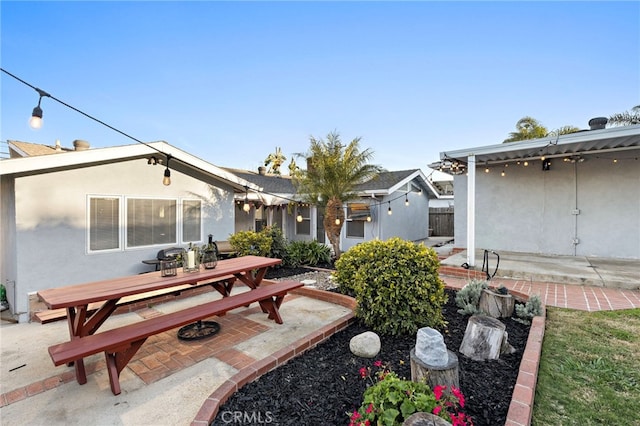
pixel 322 385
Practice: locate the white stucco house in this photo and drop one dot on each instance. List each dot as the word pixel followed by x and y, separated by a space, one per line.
pixel 575 194
pixel 406 194
pixel 79 215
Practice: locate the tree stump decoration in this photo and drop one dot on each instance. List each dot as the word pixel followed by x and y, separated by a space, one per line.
pixel 425 419
pixel 484 338
pixel 496 305
pixel 446 375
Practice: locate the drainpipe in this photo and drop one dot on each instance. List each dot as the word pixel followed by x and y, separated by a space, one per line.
pixel 471 211
pixel 576 210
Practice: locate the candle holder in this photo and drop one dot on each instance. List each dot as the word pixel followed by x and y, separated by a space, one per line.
pixel 168 267
pixel 209 259
pixel 191 262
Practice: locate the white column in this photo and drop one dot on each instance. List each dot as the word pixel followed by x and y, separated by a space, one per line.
pixel 471 211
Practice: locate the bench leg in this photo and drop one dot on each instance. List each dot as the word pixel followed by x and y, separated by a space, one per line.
pixel 224 287
pixel 116 361
pixel 272 306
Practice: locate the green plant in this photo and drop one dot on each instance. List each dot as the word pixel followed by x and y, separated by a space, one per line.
pixel 309 253
pixel 468 297
pixel 396 285
pixel 251 243
pixel 279 244
pixel 526 312
pixel 391 400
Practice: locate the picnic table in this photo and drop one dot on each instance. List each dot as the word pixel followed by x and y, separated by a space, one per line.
pixel 122 343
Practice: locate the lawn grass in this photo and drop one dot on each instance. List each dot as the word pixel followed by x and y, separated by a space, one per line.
pixel 590 369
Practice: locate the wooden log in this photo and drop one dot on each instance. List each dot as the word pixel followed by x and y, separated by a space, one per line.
pixel 483 338
pixel 446 375
pixel 496 305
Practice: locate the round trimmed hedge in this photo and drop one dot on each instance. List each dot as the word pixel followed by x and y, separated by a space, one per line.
pixel 395 283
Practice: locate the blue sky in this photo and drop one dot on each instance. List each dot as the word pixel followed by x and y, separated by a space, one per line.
pixel 231 81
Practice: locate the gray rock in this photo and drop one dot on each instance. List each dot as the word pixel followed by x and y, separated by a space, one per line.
pixel 430 347
pixel 365 345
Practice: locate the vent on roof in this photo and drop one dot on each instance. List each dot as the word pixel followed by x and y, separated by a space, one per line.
pixel 80 145
pixel 598 123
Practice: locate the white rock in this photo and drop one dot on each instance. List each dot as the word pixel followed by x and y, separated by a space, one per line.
pixel 365 345
pixel 430 347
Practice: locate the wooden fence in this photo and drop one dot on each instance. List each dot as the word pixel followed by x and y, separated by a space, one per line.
pixel 441 221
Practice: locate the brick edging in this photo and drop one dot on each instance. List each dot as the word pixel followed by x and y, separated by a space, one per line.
pixel 211 405
pixel 520 408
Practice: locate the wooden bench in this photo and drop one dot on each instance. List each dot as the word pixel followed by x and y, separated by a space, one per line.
pixel 121 344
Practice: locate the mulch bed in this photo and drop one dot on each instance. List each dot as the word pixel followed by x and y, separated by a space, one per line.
pixel 322 385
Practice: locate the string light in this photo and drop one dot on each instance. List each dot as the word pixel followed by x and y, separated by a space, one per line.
pixel 406 200
pixel 246 207
pixel 36 116
pixel 166 180
pixel 36 119
pixel 389 212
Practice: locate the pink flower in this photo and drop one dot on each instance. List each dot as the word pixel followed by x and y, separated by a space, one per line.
pixel 458 394
pixel 458 420
pixel 437 410
pixel 355 416
pixel 369 409
pixel 378 363
pixel 363 372
pixel 437 391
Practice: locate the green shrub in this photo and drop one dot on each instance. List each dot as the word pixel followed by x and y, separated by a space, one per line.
pixel 468 297
pixel 279 244
pixel 526 312
pixel 392 400
pixel 251 243
pixel 395 283
pixel 309 253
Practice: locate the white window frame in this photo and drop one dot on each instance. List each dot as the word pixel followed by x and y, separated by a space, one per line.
pixel 120 218
pixel 306 219
pixel 180 219
pixel 350 221
pixel 123 224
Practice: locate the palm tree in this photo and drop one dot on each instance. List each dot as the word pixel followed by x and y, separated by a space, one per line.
pixel 333 172
pixel 275 159
pixel 530 128
pixel 626 118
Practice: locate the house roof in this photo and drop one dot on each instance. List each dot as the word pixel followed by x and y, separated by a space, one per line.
pixel 278 189
pixel 581 143
pixel 28 149
pixel 181 161
pixel 275 184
